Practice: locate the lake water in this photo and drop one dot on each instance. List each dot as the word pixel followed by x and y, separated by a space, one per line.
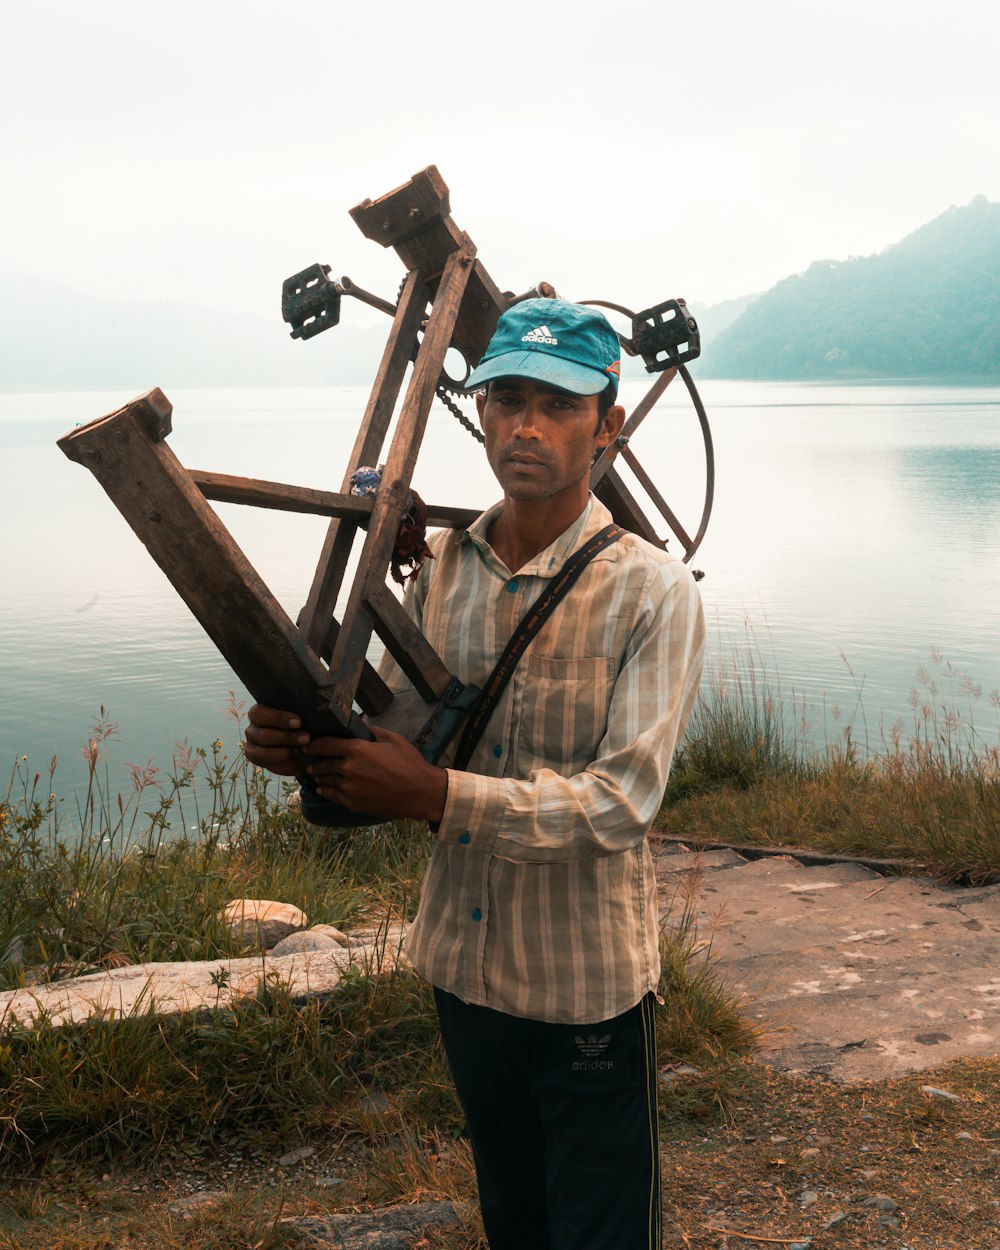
pixel 856 534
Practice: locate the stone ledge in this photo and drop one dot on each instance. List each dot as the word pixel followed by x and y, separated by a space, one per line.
pixel 169 988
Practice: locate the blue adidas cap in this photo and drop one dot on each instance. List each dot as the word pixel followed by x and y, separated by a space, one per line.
pixel 551 340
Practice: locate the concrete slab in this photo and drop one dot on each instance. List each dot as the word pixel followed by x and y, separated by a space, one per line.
pixel 857 976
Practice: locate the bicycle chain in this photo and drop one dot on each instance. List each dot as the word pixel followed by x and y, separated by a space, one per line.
pixel 444 392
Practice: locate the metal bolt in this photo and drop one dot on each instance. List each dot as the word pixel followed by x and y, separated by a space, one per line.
pixel 92 455
pixel 386 225
pixel 415 213
pixel 622 440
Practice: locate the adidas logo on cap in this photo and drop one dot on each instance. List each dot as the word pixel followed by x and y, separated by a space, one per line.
pixel 540 335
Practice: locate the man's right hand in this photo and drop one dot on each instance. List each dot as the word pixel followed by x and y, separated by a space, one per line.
pixel 275 741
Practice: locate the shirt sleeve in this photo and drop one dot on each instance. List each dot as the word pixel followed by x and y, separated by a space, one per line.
pixel 611 804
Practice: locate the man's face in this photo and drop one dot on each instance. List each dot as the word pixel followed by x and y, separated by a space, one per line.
pixel 539 440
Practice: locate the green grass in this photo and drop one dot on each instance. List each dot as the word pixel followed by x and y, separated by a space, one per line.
pixel 116 886
pixel 130 1088
pixel 927 792
pixel 365 1062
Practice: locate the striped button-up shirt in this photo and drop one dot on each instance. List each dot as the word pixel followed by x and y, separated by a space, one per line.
pixel 540 899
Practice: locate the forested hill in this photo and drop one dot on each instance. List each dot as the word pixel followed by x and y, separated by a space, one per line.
pixel 929 306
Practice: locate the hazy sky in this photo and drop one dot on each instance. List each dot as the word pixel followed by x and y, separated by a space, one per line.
pixel 204 151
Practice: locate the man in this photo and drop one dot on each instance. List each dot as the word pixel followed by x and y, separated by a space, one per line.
pixel 538 922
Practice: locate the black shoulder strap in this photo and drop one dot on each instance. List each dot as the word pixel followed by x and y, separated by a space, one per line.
pixel 530 624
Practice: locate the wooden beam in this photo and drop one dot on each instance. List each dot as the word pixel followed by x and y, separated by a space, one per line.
pixel 126 451
pixel 259 493
pixel 407 645
pixel 641 411
pixel 316 617
pixel 648 485
pixel 390 502
pixel 624 507
pixel 415 220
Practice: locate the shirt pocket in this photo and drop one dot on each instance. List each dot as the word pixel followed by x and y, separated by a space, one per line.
pixel 563 713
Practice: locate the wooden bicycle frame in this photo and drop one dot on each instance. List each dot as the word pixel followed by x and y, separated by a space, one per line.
pixel 316 666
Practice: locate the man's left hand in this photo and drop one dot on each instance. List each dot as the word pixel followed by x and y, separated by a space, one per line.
pixel 388 776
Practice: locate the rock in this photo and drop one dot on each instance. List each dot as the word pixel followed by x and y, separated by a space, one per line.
pixel 868 1174
pixel 963 1137
pixel 838 1217
pixel 939 1095
pixel 808 1197
pixel 810 1152
pixel 385 940
pixel 299 943
pixel 262 922
pixel 882 1202
pixel 167 988
pixel 187 1208
pixel 391 1228
pixel 674 1073
pixel 331 931
pixel 836 961
pixel 800 1245
pixel 330 1182
pixel 296 1156
pixel 375 1102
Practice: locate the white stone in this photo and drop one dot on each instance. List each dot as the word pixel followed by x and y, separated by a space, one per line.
pixel 262 922
pixel 939 1095
pixel 381 945
pixel 167 988
pixel 188 1207
pixel 304 940
pixel 295 1156
pixel 331 931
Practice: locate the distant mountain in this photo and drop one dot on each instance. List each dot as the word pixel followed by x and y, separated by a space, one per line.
pixel 714 318
pixel 55 338
pixel 929 306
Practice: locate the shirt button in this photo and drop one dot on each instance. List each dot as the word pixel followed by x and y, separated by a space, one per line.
pixel 465 839
pixel 512 586
pixel 498 750
pixel 476 914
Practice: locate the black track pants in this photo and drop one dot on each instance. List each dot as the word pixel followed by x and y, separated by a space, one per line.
pixel 562 1119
